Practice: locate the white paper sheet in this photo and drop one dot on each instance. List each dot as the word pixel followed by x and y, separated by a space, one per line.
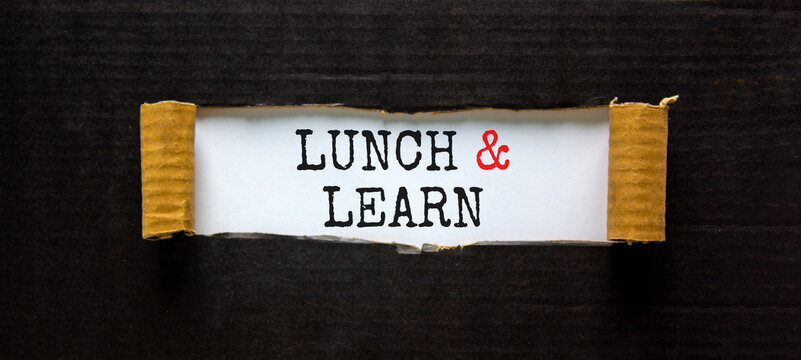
pixel 554 188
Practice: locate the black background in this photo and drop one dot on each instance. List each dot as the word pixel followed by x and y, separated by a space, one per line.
pixel 78 281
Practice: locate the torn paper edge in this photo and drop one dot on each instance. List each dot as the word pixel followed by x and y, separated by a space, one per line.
pixel 637 170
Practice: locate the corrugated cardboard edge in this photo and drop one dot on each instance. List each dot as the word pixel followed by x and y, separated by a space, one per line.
pixel 168 171
pixel 638 135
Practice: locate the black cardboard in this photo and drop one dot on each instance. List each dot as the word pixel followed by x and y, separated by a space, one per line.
pixel 78 281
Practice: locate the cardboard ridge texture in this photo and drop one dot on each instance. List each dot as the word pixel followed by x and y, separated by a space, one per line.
pixel 637 171
pixel 636 183
pixel 167 132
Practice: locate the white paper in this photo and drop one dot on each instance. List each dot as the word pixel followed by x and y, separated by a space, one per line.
pixel 555 187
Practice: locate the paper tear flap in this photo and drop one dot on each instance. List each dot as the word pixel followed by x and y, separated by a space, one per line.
pixel 168 173
pixel 637 171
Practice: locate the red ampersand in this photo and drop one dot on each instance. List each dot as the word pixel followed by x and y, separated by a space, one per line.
pixel 501 149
